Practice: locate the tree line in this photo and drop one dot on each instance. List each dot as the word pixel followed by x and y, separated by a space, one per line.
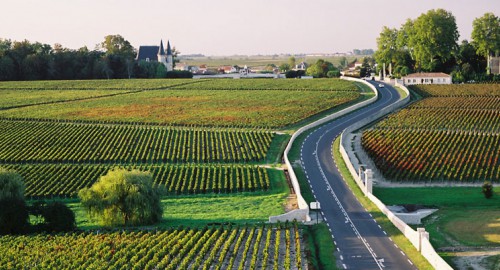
pixel 429 43
pixel 113 58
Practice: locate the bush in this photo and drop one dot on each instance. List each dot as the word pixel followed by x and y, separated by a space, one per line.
pixel 14 218
pixel 179 74
pixel 295 74
pixel 487 190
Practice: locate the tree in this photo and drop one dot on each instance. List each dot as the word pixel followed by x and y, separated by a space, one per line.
pixel 487 190
pixel 433 39
pixel 486 36
pixel 320 69
pixel 291 62
pixel 13 211
pixel 116 44
pixel 52 217
pixel 284 67
pixel 123 197
pixel 387 46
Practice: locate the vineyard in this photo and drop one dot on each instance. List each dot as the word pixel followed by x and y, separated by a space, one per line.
pixel 53 142
pixel 240 247
pixel 136 84
pixel 260 84
pixel 451 135
pixel 185 107
pixel 65 180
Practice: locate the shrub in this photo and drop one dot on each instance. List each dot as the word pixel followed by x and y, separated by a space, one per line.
pixel 487 190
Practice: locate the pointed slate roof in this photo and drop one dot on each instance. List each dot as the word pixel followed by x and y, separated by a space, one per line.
pixel 169 51
pixel 161 51
pixel 150 52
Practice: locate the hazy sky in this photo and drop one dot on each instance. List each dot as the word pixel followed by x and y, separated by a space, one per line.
pixel 225 27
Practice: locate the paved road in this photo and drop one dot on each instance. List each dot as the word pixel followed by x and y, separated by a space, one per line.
pixel 360 242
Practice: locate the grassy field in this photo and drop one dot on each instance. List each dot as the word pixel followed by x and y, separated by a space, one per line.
pixel 14 98
pixel 259 62
pixel 123 84
pixel 464 218
pixel 197 210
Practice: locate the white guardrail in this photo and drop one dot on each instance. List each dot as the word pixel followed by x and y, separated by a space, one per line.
pixel 302 214
pixel 419 238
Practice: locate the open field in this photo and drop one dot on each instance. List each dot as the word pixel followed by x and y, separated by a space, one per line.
pixel 123 84
pixel 464 218
pixel 15 98
pixel 451 135
pixel 220 247
pixel 259 62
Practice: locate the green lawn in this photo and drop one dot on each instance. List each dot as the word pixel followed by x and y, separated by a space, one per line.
pixel 198 210
pixel 455 197
pixel 464 217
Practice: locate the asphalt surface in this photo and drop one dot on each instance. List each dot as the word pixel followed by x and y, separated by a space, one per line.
pixel 361 243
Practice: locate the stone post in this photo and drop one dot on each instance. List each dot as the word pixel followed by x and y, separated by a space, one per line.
pixel 421 235
pixel 368 181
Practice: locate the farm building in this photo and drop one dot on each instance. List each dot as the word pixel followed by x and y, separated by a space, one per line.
pixel 427 78
pixel 157 54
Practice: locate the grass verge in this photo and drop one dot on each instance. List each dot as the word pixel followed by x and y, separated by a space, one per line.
pixel 465 217
pixel 319 247
pixel 276 149
pixel 418 260
pixel 199 210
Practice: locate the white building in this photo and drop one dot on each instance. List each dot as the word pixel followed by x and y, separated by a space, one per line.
pixel 427 78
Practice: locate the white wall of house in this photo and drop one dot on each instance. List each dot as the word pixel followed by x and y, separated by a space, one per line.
pixel 427 80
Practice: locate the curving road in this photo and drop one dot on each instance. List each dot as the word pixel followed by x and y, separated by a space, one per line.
pixel 361 243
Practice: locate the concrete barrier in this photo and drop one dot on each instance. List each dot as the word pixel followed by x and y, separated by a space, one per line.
pixel 418 238
pixel 293 177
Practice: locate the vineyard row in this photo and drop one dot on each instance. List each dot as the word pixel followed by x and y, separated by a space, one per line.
pixel 32 141
pixel 246 247
pixel 409 155
pixel 54 180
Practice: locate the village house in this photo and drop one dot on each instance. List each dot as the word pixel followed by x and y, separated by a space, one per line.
pixel 427 78
pixel 157 54
pixel 301 66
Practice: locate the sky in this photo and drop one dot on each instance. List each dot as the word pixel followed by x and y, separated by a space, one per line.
pixel 226 27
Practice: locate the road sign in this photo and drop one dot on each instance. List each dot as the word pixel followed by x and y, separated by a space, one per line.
pixel 315 206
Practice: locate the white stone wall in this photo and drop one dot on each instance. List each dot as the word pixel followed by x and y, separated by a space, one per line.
pixel 419 238
pixel 293 177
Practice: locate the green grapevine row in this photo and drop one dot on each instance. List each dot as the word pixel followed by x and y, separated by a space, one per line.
pixel 204 248
pixel 65 180
pixel 52 142
pixel 444 119
pixel 457 90
pixel 434 155
pixel 259 84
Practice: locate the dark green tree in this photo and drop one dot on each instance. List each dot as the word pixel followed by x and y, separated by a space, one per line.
pixel 13 211
pixel 433 39
pixel 486 36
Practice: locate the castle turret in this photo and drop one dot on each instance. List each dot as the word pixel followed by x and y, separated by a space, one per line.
pixel 162 58
pixel 170 58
